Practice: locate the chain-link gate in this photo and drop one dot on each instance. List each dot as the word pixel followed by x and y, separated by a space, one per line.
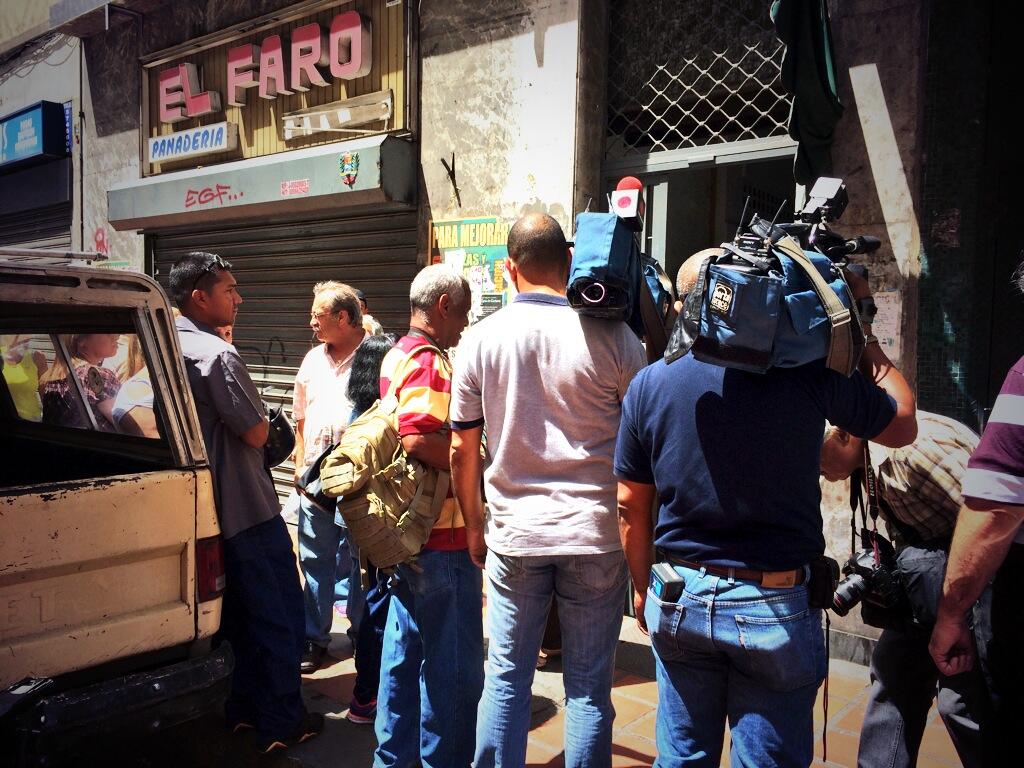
pixel 689 73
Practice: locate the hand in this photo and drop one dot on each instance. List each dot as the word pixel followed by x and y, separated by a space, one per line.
pixel 858 285
pixel 951 647
pixel 639 603
pixel 477 547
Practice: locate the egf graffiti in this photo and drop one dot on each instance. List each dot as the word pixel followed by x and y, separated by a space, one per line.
pixel 217 193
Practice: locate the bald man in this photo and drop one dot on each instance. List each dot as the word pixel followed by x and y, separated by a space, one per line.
pixel 732 458
pixel 547 385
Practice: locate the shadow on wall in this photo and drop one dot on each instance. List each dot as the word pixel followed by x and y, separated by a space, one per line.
pixel 112 66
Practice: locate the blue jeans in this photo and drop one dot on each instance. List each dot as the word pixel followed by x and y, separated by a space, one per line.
pixel 904 680
pixel 320 543
pixel 262 620
pixel 591 592
pixel 739 652
pixel 432 667
pixel 369 621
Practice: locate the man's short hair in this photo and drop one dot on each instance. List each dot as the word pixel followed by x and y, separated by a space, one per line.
pixel 687 275
pixel 432 283
pixel 1018 275
pixel 341 297
pixel 198 269
pixel 536 243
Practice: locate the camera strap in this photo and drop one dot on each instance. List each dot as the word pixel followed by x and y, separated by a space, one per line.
pixel 863 479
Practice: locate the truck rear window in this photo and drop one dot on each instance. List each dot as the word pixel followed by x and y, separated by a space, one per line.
pixel 93 381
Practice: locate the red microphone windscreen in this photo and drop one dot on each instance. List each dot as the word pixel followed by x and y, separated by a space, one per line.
pixel 629 182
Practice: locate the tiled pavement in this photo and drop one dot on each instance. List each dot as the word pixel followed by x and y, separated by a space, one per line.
pixel 635 697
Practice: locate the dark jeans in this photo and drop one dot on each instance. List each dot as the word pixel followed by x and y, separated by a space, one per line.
pixel 999 630
pixel 904 680
pixel 370 637
pixel 263 620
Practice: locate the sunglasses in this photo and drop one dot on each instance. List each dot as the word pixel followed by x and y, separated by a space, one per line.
pixel 213 263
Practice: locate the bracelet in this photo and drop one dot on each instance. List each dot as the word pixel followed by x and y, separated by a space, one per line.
pixel 870 339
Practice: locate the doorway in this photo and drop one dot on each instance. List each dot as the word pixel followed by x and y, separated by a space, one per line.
pixel 692 208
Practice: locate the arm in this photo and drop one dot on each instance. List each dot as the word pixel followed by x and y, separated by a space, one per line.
pixel 467 469
pixel 300 448
pixel 984 532
pixel 432 449
pixel 256 437
pixel 877 367
pixel 637 532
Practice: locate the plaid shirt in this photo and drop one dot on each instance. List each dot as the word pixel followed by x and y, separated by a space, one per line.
pixel 919 484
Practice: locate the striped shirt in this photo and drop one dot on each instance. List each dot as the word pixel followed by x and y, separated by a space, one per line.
pixel 996 470
pixel 919 484
pixel 423 386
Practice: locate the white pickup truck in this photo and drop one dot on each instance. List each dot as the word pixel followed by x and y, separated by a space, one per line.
pixel 111 566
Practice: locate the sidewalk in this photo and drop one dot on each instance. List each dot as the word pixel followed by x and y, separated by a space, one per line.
pixel 344 744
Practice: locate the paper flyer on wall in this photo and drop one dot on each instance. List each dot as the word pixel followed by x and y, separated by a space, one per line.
pixel 477 249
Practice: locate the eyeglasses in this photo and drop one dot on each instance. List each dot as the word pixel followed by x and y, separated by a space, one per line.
pixel 214 262
pixel 318 315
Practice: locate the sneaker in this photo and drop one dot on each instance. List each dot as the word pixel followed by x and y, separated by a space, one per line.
pixel 240 727
pixel 361 713
pixel 313 658
pixel 310 726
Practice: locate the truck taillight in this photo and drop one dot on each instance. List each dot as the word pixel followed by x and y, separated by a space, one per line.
pixel 210 568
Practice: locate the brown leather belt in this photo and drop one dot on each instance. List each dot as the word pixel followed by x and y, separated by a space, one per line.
pixel 770 579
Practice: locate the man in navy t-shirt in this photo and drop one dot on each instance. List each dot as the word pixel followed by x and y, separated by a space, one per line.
pixel 733 459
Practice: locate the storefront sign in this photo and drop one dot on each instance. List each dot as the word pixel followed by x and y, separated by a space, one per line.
pixel 278 66
pixel 477 248
pixel 306 181
pixel 38 132
pixel 339 116
pixel 204 140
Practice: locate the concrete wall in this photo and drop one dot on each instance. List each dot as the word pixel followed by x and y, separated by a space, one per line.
pixel 498 90
pixel 881 54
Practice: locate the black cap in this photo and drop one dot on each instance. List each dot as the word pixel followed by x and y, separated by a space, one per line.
pixel 360 295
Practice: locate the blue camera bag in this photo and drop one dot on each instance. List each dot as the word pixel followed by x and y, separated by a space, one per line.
pixel 785 310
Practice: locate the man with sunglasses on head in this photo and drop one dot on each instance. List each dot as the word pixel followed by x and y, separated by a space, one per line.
pixel 262 613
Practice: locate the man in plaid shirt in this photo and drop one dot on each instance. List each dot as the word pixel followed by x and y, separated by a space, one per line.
pixel 919 499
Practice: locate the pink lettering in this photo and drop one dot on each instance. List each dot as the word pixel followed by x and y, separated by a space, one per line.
pixel 241 72
pixel 180 96
pixel 309 50
pixel 172 98
pixel 272 69
pixel 197 103
pixel 351 44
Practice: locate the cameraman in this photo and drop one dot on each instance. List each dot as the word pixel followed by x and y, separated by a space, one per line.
pixel 918 490
pixel 733 459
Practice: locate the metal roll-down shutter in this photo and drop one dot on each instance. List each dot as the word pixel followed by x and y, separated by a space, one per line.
pixel 277 265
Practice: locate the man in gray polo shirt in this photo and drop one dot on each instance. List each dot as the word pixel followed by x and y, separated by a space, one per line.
pixel 263 614
pixel 546 384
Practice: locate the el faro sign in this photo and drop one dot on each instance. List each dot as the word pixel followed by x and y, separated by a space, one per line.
pixel 278 66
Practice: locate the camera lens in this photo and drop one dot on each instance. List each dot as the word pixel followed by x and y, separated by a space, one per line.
pixel 849 592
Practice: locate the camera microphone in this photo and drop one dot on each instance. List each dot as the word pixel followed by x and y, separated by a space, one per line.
pixel 627 203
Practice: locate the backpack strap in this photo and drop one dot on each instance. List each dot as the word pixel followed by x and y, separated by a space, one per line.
pixel 843 353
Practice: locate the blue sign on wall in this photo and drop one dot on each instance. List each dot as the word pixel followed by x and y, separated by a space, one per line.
pixel 36 133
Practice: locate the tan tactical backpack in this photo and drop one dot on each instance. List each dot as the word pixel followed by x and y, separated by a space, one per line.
pixel 390 500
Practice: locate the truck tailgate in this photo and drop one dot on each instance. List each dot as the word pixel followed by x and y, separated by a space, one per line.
pixel 94 571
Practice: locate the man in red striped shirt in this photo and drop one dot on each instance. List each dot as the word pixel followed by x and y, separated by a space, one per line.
pixel 988 545
pixel 432 665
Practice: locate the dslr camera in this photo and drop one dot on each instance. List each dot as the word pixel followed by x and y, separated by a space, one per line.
pixel 875 583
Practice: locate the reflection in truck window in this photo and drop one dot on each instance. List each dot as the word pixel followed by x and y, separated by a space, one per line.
pixel 133 412
pixel 23 367
pixel 99 384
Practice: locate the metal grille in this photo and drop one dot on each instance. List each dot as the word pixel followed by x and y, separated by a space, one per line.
pixel 689 73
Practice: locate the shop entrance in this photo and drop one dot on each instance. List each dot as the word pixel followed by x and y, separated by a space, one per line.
pixel 692 208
